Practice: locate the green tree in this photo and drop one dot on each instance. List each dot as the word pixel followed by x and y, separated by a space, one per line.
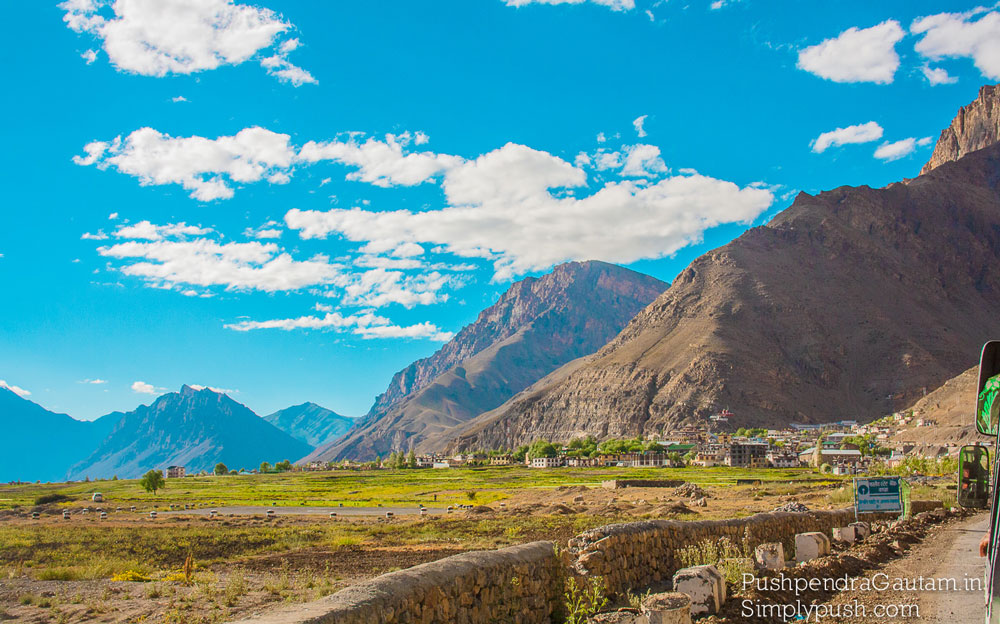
pixel 264 467
pixel 152 481
pixel 220 469
pixel 520 453
pixel 411 459
pixel 283 466
pixel 542 448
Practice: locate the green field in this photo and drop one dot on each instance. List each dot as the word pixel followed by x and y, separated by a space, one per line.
pixel 382 487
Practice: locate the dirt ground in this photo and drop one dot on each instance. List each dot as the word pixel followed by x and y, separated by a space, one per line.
pixel 239 586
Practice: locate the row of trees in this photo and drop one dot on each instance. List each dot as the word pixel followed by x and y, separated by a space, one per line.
pixel 588 447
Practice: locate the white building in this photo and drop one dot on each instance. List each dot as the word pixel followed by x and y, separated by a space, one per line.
pixel 546 462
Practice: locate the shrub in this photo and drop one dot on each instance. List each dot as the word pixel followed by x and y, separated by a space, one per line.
pixel 131 576
pixel 582 601
pixel 51 498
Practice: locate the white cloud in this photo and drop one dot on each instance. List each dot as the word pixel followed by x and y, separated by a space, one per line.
pixel 322 307
pixel 381 163
pixel 93 381
pixel 861 133
pixel 365 324
pixel 89 56
pixel 145 230
pixel 141 387
pixel 160 37
pixel 866 55
pixel 21 392
pixel 178 98
pixel 960 35
pixel 235 266
pixel 639 124
pixel 937 75
pixel 898 149
pixel 99 235
pixel 196 163
pixel 614 5
pixel 527 228
pixel 113 216
pixel 213 389
pixel 643 161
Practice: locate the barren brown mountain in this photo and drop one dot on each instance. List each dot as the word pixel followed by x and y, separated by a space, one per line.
pixel 947 414
pixel 976 126
pixel 536 326
pixel 844 306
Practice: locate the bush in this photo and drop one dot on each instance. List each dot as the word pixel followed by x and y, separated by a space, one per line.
pixel 51 498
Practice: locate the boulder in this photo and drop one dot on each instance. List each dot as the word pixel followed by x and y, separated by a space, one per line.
pixel 809 546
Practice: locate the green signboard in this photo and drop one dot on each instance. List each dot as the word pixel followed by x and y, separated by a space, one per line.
pixel 877 495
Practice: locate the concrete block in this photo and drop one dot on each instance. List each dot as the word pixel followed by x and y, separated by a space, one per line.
pixel 704 586
pixel 809 546
pixel 667 608
pixel 844 534
pixel 770 556
pixel 861 530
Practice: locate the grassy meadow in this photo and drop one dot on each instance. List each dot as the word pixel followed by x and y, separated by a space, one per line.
pixel 372 488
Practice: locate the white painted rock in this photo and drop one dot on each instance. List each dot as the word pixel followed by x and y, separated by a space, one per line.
pixel 809 546
pixel 844 534
pixel 704 586
pixel 770 556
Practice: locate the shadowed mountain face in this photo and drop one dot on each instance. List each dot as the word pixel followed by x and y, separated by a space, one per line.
pixel 536 326
pixel 42 445
pixel 191 428
pixel 310 423
pixel 845 306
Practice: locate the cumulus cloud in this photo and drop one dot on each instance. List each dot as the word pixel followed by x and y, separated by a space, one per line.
pixel 89 56
pixel 145 230
pixel 899 149
pixel 21 392
pixel 141 387
pixel 527 228
pixel 381 163
pixel 199 165
pixel 861 133
pixel 235 266
pixel 614 5
pixel 270 230
pixel 937 75
pixel 856 55
pixel 365 324
pixel 98 235
pixel 974 34
pixel 643 161
pixel 639 124
pixel 161 37
pixel 93 381
pixel 213 389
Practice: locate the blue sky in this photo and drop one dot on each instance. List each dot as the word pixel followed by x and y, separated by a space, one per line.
pixel 292 200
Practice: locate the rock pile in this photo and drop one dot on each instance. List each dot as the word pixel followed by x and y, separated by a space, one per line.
pixel 793 507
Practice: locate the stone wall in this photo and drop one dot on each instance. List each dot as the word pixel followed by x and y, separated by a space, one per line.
pixel 618 484
pixel 635 555
pixel 520 584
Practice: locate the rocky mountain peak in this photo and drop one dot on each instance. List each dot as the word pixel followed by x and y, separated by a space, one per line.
pixel 976 126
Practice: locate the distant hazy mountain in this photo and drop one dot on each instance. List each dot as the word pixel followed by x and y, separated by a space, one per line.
pixel 310 423
pixel 42 445
pixel 191 428
pixel 536 326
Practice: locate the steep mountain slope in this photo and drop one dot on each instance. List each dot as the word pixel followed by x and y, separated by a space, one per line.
pixel 844 306
pixel 976 126
pixel 42 445
pixel 310 423
pixel 951 406
pixel 536 326
pixel 191 428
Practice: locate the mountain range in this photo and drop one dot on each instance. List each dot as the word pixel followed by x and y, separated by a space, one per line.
pixel 536 326
pixel 844 306
pixel 195 428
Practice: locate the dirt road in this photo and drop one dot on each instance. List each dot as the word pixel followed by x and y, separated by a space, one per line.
pixel 920 587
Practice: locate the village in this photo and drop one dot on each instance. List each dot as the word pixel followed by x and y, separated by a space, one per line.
pixel 846 448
